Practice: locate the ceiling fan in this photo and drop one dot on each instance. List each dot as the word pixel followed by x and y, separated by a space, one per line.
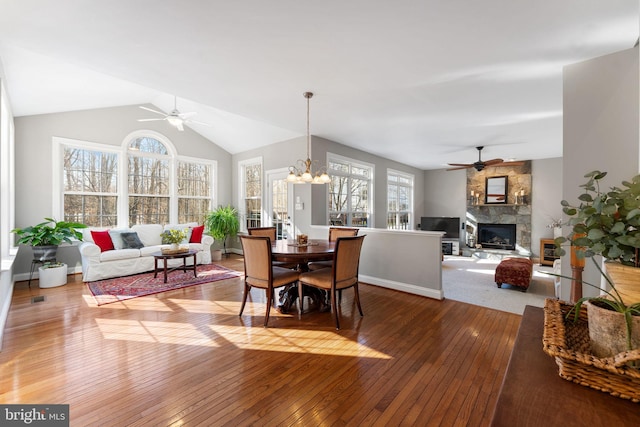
pixel 175 118
pixel 480 165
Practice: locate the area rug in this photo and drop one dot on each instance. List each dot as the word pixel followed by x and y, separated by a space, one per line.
pixel 123 288
pixel 471 280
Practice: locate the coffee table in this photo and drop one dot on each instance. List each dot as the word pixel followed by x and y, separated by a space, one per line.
pixel 157 256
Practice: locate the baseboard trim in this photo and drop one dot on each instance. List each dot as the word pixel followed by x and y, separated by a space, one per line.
pixel 403 287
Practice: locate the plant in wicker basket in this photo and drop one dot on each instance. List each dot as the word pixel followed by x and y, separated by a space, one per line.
pixel 627 328
pixel 607 224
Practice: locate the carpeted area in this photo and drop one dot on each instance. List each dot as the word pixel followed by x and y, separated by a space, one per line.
pixel 123 288
pixel 471 280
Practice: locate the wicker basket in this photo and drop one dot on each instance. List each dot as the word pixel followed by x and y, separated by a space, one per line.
pixel 166 251
pixel 568 342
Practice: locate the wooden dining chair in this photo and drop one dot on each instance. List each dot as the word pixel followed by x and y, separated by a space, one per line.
pixel 342 275
pixel 270 232
pixel 260 273
pixel 334 233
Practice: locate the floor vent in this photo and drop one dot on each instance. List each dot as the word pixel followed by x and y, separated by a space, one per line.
pixel 39 298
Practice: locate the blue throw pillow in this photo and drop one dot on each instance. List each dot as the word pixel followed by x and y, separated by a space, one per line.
pixel 131 240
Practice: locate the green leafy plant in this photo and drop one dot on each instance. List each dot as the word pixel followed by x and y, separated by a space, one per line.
pixel 222 223
pixel 174 236
pixel 605 223
pixel 49 233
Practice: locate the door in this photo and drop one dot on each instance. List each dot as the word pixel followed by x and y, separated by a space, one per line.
pixel 279 203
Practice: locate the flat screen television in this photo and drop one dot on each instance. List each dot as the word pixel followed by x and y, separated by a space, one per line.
pixel 450 225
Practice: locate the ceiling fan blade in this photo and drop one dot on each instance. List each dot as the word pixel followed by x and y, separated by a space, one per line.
pixel 180 127
pixel 458 168
pixel 467 165
pixel 493 162
pixel 514 163
pixel 197 122
pixel 153 111
pixel 149 120
pixel 187 115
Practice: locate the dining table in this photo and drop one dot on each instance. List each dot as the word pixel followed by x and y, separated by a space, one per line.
pixel 290 251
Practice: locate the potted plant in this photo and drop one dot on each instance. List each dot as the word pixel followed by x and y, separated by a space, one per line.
pixel 608 224
pixel 45 237
pixel 222 223
pixel 174 237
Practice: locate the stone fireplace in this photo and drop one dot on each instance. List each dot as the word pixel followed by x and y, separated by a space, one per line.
pixel 514 215
pixel 497 236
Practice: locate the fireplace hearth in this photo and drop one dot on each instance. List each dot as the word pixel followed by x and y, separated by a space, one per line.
pixel 497 236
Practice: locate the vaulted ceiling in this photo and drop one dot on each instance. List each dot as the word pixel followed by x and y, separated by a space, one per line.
pixel 418 81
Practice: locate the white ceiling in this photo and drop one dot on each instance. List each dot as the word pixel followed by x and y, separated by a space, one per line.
pixel 418 81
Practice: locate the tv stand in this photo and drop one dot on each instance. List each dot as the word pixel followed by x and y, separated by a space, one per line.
pixel 450 247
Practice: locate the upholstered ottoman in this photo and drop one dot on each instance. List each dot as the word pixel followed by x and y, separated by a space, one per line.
pixel 514 271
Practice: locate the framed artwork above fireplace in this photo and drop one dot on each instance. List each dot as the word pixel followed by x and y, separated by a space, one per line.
pixel 496 190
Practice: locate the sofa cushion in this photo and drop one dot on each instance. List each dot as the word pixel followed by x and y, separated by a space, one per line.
pixel 151 250
pixel 130 240
pixel 196 234
pixel 115 236
pixel 120 254
pixel 103 240
pixel 149 234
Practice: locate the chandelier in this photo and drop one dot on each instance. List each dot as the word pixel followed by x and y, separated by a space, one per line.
pixel 308 171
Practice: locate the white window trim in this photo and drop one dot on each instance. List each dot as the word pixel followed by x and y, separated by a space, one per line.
pixel 372 203
pixel 412 178
pixel 242 164
pixel 122 151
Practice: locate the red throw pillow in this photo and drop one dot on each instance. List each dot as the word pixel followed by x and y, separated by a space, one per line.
pixel 196 234
pixel 103 240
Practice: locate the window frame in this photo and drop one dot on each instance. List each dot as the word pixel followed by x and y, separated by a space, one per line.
pixel 398 184
pixel 331 157
pixel 242 188
pixel 122 153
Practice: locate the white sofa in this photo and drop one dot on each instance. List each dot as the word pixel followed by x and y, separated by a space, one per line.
pixel 97 265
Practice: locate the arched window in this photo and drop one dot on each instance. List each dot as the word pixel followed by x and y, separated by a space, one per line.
pixel 144 181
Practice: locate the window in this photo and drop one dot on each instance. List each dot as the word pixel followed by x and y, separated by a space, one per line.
pixel 7 175
pixel 194 191
pixel 350 192
pixel 90 187
pixel 149 179
pixel 399 200
pixel 250 193
pixel 142 182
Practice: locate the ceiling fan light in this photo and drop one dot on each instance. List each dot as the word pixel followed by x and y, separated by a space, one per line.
pixel 174 120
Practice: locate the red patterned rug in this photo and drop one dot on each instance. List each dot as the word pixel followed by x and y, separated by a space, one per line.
pixel 123 288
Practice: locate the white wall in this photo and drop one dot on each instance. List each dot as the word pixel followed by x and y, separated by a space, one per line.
pixel 601 131
pixel 404 260
pixel 546 195
pixel 108 126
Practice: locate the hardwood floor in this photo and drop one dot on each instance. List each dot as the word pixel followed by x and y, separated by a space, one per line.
pixel 186 358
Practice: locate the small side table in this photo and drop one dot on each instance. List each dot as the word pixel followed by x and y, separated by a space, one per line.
pixel 157 256
pixel 547 252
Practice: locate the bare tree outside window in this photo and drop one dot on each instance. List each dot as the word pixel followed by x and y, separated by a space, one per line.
pixel 399 200
pixel 90 187
pixel 349 190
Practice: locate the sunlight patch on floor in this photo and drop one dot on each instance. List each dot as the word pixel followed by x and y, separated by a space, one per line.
pixel 142 303
pixel 153 331
pixel 208 307
pixel 295 341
